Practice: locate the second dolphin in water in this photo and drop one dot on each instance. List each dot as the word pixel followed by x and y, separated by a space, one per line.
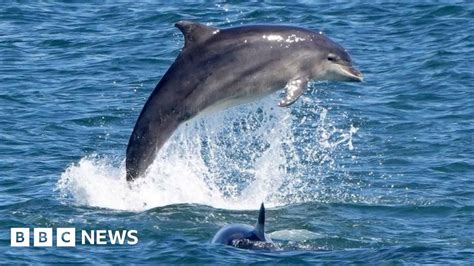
pixel 218 68
pixel 242 235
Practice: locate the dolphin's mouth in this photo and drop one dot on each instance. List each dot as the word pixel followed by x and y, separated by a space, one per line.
pixel 352 73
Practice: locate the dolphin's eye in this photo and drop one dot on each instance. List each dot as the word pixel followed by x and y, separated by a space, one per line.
pixel 332 57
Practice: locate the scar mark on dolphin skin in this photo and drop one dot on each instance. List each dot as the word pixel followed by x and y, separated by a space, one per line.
pixel 293 38
pixel 278 38
pixel 273 37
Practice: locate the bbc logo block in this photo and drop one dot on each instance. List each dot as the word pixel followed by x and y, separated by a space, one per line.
pixel 20 237
pixel 43 237
pixel 66 237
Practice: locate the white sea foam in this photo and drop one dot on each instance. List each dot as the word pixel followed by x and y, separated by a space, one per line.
pixel 297 235
pixel 234 159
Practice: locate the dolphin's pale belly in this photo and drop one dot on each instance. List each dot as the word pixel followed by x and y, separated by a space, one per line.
pixel 230 102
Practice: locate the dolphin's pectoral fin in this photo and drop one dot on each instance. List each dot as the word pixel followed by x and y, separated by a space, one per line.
pixel 294 89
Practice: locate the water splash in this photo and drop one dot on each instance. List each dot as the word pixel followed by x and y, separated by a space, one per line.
pixel 297 235
pixel 233 159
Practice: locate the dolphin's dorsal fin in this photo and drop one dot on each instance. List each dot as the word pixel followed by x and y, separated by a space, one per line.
pixel 195 33
pixel 260 226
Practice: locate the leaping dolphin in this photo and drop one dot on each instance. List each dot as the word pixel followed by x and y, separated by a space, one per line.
pixel 242 235
pixel 219 68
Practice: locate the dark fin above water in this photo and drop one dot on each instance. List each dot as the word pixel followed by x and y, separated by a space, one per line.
pixel 195 33
pixel 260 226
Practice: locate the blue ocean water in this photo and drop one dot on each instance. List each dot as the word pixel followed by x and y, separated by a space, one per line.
pixel 379 171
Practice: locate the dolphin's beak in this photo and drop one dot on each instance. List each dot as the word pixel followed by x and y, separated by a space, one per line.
pixel 351 73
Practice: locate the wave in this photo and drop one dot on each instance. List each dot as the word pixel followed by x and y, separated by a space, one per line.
pixel 233 159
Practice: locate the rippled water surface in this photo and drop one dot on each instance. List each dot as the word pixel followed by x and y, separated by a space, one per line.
pixel 368 172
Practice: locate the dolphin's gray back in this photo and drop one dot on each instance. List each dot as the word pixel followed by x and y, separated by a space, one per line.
pixel 227 234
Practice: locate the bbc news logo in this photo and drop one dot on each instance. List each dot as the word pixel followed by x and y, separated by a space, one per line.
pixel 66 237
